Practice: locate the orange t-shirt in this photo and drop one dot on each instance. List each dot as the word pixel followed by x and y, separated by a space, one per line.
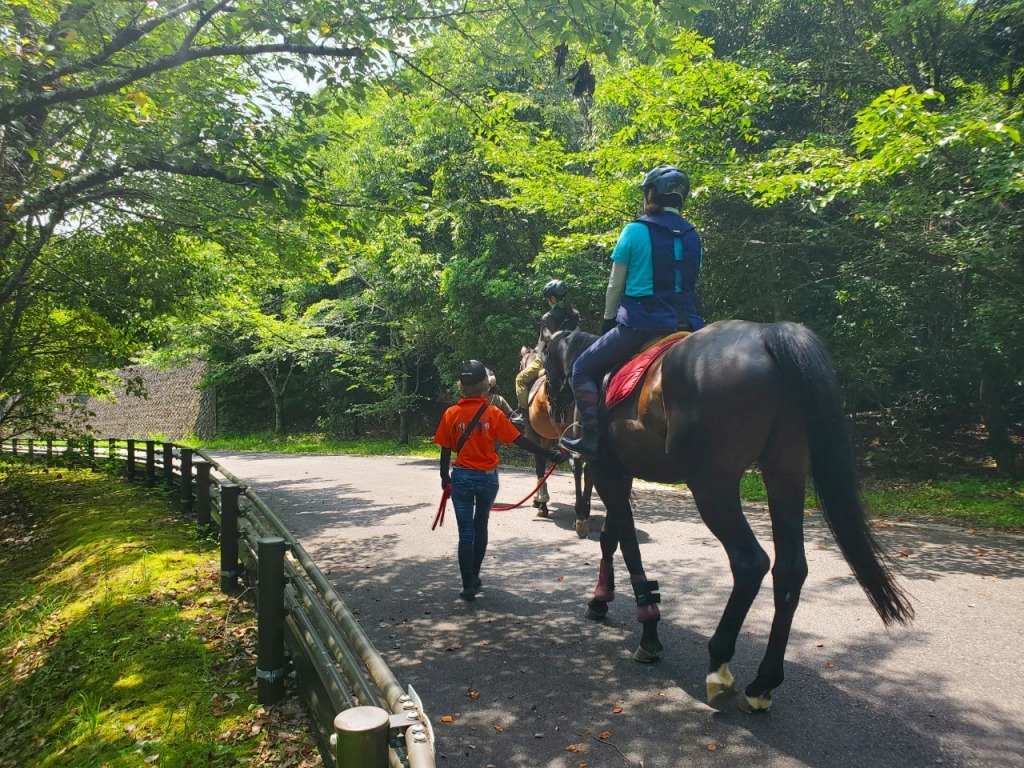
pixel 478 452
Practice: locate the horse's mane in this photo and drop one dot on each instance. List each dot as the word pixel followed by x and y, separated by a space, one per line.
pixel 576 344
pixel 567 346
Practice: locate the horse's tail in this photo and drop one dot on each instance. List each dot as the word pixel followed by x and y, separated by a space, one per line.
pixel 809 370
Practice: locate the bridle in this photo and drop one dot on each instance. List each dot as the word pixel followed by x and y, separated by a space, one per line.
pixel 560 396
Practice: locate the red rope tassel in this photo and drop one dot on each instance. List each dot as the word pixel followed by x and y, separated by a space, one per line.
pixel 439 517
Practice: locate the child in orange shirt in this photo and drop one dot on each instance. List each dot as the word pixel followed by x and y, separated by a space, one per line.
pixel 470 429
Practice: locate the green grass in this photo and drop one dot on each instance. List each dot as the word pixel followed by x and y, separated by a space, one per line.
pixel 987 503
pixel 116 647
pixel 317 443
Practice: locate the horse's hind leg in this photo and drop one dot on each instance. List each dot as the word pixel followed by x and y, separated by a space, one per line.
pixel 786 502
pixel 719 507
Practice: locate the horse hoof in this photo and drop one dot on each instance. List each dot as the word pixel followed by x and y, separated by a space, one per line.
pixel 754 704
pixel 542 510
pixel 583 528
pixel 720 683
pixel 645 656
pixel 596 610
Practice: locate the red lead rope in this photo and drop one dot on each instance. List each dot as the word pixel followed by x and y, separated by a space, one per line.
pixel 447 492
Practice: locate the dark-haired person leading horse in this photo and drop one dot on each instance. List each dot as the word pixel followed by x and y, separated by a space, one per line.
pixel 723 398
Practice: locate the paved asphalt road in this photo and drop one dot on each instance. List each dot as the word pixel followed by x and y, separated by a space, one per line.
pixel 529 682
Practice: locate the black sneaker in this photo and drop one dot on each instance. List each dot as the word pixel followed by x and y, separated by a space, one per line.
pixel 477 584
pixel 467 594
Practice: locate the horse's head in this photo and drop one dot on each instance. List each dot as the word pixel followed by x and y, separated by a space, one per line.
pixel 558 369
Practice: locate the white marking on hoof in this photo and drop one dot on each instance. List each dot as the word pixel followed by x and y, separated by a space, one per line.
pixel 644 656
pixel 753 704
pixel 720 682
pixel 583 528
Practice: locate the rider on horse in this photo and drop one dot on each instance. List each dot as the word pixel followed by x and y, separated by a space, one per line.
pixel 651 292
pixel 561 316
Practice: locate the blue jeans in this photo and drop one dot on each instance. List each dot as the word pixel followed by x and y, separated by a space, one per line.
pixel 473 494
pixel 609 351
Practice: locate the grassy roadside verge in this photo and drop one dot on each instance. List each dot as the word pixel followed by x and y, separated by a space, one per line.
pixel 969 502
pixel 116 647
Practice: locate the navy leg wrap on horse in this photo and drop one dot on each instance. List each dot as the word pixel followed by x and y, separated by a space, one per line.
pixel 646 593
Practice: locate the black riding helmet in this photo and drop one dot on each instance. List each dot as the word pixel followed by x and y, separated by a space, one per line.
pixel 555 288
pixel 667 180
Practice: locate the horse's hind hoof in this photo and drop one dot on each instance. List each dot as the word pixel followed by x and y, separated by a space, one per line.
pixel 720 683
pixel 583 528
pixel 597 610
pixel 754 704
pixel 542 510
pixel 645 656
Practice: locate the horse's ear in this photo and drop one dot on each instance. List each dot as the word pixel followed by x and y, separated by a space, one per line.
pixel 523 351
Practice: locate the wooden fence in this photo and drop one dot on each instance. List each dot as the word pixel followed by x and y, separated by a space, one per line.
pixel 363 717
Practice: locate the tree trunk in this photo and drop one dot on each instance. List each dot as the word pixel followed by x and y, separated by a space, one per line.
pixel 994 418
pixel 279 413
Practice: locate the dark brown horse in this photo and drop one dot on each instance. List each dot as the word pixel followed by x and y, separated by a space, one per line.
pixel 545 428
pixel 725 397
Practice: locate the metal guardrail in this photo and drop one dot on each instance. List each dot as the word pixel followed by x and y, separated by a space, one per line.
pixel 363 717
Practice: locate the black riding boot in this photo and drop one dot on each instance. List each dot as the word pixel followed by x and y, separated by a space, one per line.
pixel 586 411
pixel 466 570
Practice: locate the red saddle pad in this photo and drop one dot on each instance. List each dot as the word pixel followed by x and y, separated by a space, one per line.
pixel 624 380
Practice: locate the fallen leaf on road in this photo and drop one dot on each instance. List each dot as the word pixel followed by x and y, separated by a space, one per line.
pixel 605 735
pixel 446 718
pixel 616 710
pixel 498 728
pixel 712 747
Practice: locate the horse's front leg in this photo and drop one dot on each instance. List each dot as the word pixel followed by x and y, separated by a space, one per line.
pixel 541 497
pixel 582 479
pixel 614 489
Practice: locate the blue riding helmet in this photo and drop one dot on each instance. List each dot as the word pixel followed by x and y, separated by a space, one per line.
pixel 667 180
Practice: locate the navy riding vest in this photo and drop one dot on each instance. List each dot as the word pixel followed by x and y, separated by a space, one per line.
pixel 674 303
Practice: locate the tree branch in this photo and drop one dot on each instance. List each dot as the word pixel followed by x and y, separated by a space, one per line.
pixel 46 100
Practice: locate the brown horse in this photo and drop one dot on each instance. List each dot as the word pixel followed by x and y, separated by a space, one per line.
pixel 723 398
pixel 545 428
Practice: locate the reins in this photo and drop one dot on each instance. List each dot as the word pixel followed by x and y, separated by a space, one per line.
pixel 527 496
pixel 447 492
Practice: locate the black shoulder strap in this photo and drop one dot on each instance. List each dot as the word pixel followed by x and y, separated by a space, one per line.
pixel 470 427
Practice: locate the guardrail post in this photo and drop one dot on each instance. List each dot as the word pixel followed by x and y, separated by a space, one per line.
pixel 150 463
pixel 49 448
pixel 270 667
pixel 111 448
pixel 362 737
pixel 91 448
pixel 202 492
pixel 229 538
pixel 129 469
pixel 31 448
pixel 185 489
pixel 169 464
pixel 14 446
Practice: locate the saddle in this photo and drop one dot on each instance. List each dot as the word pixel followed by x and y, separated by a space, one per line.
pixel 621 383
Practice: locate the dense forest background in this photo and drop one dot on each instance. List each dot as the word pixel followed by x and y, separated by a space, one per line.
pixel 334 203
